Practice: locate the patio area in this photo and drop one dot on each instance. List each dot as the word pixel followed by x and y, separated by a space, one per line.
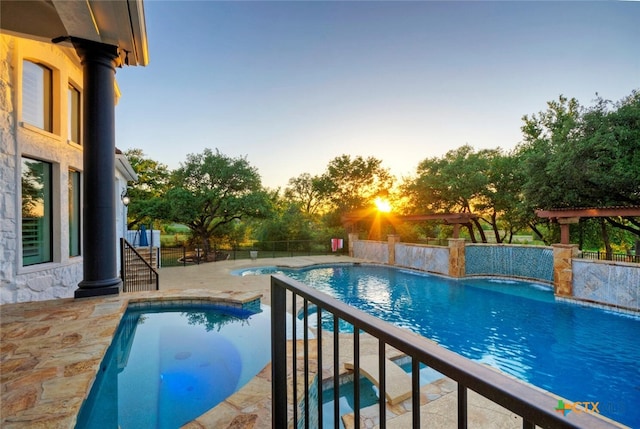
pixel 51 352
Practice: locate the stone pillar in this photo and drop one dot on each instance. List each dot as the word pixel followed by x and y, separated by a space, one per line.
pixel 562 268
pixel 392 239
pixel 456 257
pixel 99 243
pixel 353 237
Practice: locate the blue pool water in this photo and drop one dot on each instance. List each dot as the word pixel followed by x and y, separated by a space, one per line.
pixel 368 394
pixel 168 365
pixel 580 353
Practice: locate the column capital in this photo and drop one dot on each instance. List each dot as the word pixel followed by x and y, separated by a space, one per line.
pixel 92 50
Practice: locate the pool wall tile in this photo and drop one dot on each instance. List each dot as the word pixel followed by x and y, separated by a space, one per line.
pixel 425 258
pixel 532 262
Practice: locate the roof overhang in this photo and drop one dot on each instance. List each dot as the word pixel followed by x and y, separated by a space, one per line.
pixel 125 168
pixel 118 23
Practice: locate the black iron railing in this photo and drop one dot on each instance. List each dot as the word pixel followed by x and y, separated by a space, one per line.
pixel 609 256
pixel 137 273
pixel 298 408
pixel 182 255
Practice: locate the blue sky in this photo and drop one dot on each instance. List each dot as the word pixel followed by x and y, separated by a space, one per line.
pixel 292 85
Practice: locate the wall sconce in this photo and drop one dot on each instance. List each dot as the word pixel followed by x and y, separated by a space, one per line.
pixel 125 198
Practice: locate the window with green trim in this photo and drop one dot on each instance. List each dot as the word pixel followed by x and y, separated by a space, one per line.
pixel 37 213
pixel 74 213
pixel 74 114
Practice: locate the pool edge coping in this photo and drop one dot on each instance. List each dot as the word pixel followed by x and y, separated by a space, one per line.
pixel 46 382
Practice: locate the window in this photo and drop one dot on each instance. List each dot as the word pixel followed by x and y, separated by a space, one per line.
pixel 36 212
pixel 37 95
pixel 74 114
pixel 74 213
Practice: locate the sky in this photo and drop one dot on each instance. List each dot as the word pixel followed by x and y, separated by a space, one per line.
pixel 291 85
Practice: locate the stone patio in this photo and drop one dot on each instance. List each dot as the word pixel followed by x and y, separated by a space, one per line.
pixel 50 353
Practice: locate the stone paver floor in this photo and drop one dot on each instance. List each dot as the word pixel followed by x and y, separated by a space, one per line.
pixel 50 353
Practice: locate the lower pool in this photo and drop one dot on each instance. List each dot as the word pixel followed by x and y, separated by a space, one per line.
pixel 168 365
pixel 583 354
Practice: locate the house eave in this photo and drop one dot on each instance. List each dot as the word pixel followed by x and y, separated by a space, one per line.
pixel 118 23
pixel 125 168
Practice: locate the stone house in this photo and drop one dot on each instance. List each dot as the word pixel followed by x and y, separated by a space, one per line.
pixel 62 179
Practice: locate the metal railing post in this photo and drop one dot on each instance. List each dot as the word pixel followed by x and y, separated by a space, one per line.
pixel 123 271
pixel 462 406
pixel 278 356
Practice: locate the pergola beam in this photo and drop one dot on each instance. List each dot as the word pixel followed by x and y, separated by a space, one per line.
pixel 590 212
pixel 455 219
pixel 566 217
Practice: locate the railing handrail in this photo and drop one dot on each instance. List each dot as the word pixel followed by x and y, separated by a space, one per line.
pixel 125 244
pixel 534 405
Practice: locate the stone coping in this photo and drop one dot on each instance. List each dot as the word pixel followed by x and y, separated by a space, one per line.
pixel 51 351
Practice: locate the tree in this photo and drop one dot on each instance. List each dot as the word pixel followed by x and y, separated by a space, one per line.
pixel 146 194
pixel 353 184
pixel 500 202
pixel 210 190
pixel 311 193
pixel 459 182
pixel 577 157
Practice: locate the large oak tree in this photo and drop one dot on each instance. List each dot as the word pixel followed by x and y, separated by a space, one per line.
pixel 210 190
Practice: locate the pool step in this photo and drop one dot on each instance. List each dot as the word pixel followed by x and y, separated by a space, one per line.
pixel 398 386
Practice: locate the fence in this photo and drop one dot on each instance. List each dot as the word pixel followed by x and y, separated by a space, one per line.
pixel 142 238
pixel 604 256
pixel 533 405
pixel 176 256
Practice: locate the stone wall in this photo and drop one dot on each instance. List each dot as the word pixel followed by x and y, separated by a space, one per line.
pixel 563 255
pixel 425 258
pixel 374 251
pixel 58 278
pixel 613 283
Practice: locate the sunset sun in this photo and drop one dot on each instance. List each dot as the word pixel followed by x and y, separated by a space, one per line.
pixel 383 205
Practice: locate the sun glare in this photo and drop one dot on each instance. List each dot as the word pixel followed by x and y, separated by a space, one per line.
pixel 382 205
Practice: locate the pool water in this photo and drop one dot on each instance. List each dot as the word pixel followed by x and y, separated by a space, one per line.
pixel 168 365
pixel 580 353
pixel 369 394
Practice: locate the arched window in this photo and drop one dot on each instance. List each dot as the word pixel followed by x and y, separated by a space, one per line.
pixel 37 95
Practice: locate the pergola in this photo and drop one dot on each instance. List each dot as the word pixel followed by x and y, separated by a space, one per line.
pixel 455 219
pixel 568 216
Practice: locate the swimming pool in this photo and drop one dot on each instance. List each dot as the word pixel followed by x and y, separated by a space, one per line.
pixel 580 353
pixel 169 364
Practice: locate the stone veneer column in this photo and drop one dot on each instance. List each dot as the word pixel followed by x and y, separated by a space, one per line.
pixel 392 239
pixel 353 237
pixel 562 268
pixel 456 257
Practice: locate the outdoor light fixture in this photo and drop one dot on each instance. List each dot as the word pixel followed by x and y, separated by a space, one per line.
pixel 125 198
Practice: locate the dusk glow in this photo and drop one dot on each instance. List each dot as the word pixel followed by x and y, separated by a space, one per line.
pixel 292 85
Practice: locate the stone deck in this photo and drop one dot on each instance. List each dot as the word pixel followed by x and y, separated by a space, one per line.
pixel 50 353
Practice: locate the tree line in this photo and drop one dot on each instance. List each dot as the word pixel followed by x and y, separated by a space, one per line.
pixel 570 156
